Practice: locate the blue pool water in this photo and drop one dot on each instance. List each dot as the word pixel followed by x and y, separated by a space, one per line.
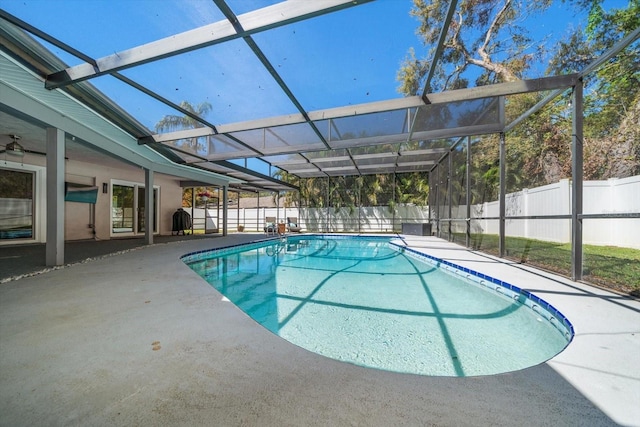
pixel 375 304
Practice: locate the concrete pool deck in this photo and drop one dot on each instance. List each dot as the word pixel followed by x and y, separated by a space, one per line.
pixel 138 338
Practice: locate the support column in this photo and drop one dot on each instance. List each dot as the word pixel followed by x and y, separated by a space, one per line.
pixel 224 219
pixel 149 207
pixel 503 186
pixel 430 203
pixel 576 187
pixel 437 211
pixel 393 197
pixel 360 206
pixel 450 191
pixel 468 192
pixel 225 209
pixel 238 214
pixel 328 203
pixel 193 209
pixel 55 197
pixel 300 202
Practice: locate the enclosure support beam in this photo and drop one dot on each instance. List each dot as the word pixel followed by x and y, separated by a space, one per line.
pixel 300 211
pixel 225 209
pixel 277 193
pixel 430 198
pixel 258 213
pixel 503 186
pixel 444 30
pixel 467 179
pixel 437 211
pixel 149 206
pixel 576 187
pixel 393 197
pixel 328 201
pixel 193 206
pixel 450 192
pixel 238 213
pixel 257 21
pixel 55 197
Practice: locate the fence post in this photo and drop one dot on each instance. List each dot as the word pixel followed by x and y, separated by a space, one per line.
pixel 525 211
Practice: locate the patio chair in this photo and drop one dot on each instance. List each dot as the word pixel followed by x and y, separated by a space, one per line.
pixel 292 224
pixel 270 226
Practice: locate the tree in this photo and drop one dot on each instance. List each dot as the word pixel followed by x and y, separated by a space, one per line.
pixel 483 34
pixel 364 190
pixel 487 44
pixel 172 122
pixel 484 43
pixel 612 101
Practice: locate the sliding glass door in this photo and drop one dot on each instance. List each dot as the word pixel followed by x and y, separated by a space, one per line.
pixel 128 208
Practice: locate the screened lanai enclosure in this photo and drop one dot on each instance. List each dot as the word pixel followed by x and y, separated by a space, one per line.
pixel 287 102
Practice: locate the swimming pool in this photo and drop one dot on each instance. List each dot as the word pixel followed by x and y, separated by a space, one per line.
pixel 374 303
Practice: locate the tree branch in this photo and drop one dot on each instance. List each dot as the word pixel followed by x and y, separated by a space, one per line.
pixel 458 45
pixel 486 62
pixel 482 50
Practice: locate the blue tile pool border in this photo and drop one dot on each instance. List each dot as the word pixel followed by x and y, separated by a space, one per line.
pixel 224 250
pixel 241 247
pixel 535 303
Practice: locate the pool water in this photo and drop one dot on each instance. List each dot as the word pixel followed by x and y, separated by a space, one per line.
pixel 367 302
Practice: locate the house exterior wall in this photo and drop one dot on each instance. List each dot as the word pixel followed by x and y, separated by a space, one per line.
pixel 81 219
pixel 78 217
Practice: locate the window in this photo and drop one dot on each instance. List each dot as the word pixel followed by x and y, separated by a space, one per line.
pixel 16 204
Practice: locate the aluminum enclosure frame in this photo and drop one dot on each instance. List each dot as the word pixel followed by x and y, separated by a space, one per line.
pixel 320 149
pixel 577 136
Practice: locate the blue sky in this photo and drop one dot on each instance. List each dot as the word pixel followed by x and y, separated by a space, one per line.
pixel 329 61
pixel 349 57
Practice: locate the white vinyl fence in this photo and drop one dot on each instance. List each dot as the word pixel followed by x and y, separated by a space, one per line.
pixel 613 196
pixel 363 220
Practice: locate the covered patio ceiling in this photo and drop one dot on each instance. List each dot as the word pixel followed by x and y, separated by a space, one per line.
pixel 284 132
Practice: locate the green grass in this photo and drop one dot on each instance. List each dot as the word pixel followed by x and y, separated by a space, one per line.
pixel 608 266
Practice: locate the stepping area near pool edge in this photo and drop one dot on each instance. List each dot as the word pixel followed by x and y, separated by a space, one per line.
pixel 138 337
